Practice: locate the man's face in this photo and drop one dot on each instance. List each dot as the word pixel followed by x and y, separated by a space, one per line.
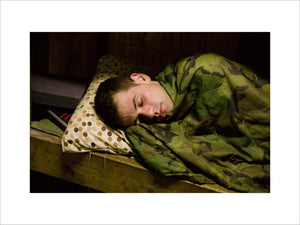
pixel 146 102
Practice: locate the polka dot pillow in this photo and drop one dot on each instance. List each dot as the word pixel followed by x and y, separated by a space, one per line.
pixel 85 131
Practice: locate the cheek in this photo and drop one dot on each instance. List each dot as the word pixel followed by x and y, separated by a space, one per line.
pixel 151 98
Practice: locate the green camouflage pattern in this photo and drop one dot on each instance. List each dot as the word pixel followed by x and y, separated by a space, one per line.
pixel 220 129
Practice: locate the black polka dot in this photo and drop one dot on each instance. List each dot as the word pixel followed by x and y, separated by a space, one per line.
pixel 109 133
pixel 76 129
pixel 70 141
pixel 90 123
pixel 93 144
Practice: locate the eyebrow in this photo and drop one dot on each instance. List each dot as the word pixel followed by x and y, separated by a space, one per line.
pixel 134 101
pixel 135 107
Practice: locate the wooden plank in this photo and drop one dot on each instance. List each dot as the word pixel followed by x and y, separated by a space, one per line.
pixel 104 172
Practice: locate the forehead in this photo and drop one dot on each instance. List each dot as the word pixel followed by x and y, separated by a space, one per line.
pixel 124 101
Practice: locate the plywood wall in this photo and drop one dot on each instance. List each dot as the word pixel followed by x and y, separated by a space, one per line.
pixel 157 49
pixel 76 54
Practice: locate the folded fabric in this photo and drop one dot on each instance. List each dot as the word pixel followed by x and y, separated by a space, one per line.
pixel 47 126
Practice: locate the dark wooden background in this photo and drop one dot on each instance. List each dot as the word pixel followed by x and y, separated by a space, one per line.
pixel 76 54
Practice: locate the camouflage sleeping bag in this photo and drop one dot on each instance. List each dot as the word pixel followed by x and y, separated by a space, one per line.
pixel 220 129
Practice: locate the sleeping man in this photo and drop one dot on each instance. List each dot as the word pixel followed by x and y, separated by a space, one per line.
pixel 205 118
pixel 132 100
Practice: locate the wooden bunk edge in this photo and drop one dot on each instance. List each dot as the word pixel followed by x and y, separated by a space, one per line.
pixel 104 172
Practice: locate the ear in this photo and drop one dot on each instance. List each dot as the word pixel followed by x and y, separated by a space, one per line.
pixel 140 77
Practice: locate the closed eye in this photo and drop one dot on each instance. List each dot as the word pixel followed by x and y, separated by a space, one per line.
pixel 141 102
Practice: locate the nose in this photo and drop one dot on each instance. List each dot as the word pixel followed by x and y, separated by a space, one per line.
pixel 146 112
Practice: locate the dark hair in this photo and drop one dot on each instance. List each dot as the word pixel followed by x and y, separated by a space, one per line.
pixel 105 105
